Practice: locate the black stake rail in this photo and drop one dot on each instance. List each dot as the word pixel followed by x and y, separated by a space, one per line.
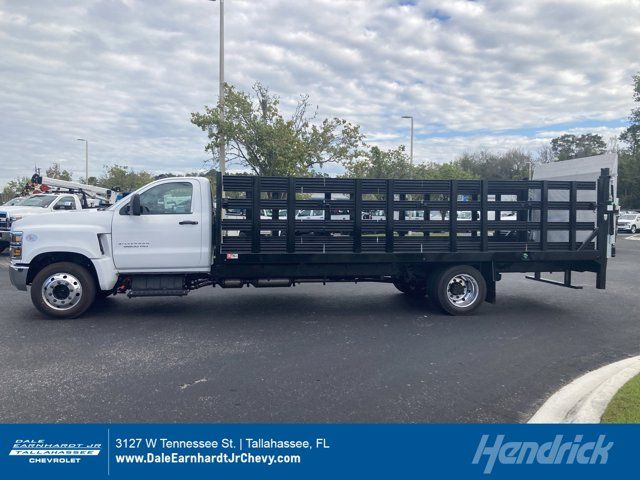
pixel 263 215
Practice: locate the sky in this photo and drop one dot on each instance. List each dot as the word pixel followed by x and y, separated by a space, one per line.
pixel 126 74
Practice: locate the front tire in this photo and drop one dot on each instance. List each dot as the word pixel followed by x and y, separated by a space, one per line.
pixel 63 290
pixel 460 290
pixel 634 229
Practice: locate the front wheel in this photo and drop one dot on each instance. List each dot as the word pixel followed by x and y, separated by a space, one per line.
pixel 460 290
pixel 634 229
pixel 63 290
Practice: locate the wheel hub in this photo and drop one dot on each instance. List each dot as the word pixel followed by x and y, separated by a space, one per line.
pixel 462 290
pixel 61 291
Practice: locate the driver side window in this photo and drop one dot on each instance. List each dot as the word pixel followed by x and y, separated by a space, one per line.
pixel 167 199
pixel 65 203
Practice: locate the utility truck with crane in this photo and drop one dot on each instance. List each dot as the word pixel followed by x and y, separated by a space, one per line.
pixel 45 195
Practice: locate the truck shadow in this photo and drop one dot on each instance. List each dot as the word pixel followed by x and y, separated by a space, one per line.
pixel 248 308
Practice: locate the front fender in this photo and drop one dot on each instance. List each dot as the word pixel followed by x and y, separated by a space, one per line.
pixel 89 241
pixel 83 240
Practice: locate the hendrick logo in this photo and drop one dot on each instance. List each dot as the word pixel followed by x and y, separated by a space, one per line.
pixel 554 452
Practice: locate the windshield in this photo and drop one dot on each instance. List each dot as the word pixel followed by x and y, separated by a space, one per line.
pixel 14 201
pixel 627 217
pixel 38 201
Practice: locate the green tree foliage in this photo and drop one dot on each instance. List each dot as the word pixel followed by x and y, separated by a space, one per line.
pixel 394 163
pixel 124 177
pixel 569 146
pixel 443 171
pixel 14 187
pixel 379 163
pixel 510 165
pixel 631 136
pixel 259 137
pixel 629 156
pixel 55 171
pixel 629 179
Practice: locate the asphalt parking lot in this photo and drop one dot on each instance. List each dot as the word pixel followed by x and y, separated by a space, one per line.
pixel 336 353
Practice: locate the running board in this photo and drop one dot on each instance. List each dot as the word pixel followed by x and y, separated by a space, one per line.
pixel 567 280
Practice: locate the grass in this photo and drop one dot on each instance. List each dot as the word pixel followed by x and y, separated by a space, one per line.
pixel 625 405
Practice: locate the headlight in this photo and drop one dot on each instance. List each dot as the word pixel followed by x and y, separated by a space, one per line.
pixel 16 218
pixel 16 245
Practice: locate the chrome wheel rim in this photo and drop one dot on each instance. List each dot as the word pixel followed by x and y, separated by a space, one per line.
pixel 61 291
pixel 462 290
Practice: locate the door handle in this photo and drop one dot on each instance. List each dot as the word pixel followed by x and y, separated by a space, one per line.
pixel 188 222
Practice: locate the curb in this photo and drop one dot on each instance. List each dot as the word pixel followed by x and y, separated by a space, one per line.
pixel 585 399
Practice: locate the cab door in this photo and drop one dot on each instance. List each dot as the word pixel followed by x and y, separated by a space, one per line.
pixel 167 235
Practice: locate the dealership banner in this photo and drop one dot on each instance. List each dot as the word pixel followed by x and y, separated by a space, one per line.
pixel 317 451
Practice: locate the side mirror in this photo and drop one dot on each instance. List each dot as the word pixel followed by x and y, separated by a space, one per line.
pixel 134 205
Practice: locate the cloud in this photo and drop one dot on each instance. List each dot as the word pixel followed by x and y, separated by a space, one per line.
pixel 484 74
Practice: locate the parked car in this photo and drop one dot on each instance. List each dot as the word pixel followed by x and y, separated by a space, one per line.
pixel 14 201
pixel 629 222
pixel 35 204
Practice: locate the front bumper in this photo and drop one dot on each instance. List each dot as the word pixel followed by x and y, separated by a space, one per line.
pixel 18 276
pixel 624 228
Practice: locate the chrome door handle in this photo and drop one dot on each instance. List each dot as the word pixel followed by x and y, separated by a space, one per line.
pixel 188 222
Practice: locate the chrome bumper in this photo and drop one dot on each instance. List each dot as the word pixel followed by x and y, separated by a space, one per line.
pixel 18 276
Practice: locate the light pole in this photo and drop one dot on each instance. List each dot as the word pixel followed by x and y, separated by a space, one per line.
pixel 411 147
pixel 221 149
pixel 86 158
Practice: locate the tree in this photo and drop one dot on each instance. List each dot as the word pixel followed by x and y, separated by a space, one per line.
pixel 631 135
pixel 15 187
pixel 258 136
pixel 378 163
pixel 629 157
pixel 55 171
pixel 443 171
pixel 124 178
pixel 510 165
pixel 394 163
pixel 544 155
pixel 567 146
pixel 629 179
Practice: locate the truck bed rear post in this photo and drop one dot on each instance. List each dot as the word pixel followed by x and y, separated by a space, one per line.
pixel 217 225
pixel 604 217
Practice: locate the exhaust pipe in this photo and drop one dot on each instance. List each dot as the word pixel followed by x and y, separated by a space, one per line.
pixel 232 283
pixel 271 282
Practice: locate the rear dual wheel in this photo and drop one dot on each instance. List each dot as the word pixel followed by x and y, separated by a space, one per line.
pixel 458 290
